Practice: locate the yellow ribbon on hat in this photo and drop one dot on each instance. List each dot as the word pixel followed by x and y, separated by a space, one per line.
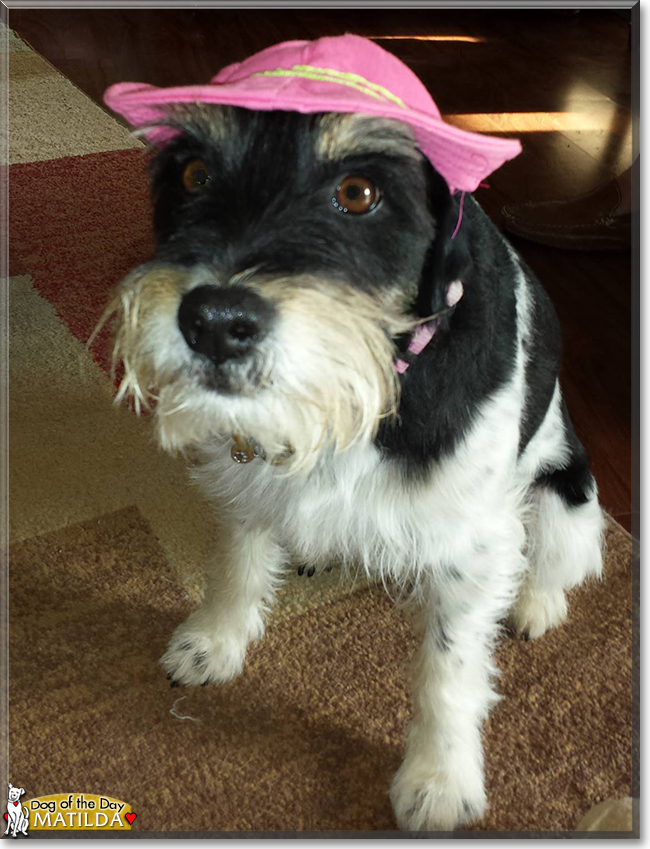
pixel 330 75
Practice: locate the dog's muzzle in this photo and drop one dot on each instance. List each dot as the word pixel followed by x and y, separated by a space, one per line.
pixel 224 323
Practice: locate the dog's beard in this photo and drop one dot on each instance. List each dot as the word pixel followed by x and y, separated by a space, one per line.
pixel 322 380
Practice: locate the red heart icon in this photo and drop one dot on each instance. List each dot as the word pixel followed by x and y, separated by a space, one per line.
pixel 130 818
pixel 6 816
pixel 15 804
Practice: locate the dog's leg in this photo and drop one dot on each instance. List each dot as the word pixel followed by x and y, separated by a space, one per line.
pixel 440 783
pixel 565 529
pixel 211 644
pixel 564 548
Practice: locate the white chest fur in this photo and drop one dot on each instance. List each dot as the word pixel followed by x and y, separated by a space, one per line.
pixel 361 507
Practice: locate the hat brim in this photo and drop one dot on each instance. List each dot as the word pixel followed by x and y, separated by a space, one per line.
pixel 463 158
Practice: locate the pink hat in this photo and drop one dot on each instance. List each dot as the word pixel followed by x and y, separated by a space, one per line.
pixel 345 73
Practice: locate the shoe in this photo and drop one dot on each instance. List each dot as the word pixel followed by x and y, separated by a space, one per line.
pixel 584 223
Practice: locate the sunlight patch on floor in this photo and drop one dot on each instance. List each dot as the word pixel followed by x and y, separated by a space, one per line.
pixel 595 117
pixel 468 39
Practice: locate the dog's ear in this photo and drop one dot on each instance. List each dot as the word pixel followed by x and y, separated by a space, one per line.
pixel 22 791
pixel 449 257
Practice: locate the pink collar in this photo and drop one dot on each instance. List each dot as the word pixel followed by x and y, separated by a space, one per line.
pixel 423 334
pixel 419 341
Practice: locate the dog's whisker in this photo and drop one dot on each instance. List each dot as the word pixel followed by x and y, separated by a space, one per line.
pixel 171 411
pixel 103 320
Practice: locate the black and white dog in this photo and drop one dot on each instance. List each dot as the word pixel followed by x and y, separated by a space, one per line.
pixel 297 258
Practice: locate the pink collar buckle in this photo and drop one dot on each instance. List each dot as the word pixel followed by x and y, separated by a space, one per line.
pixel 423 334
pixel 419 341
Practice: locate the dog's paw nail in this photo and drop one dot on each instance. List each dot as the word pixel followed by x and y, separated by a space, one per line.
pixel 169 676
pixel 301 570
pixel 174 684
pixel 311 571
pixel 526 636
pixel 205 683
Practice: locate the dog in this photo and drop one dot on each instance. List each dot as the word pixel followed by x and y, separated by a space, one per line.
pixel 362 370
pixel 17 814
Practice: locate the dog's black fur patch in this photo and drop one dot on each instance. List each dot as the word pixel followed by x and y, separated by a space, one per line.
pixel 574 482
pixel 473 351
pixel 268 205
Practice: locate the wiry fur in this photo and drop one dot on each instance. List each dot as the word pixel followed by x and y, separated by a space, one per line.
pixel 353 133
pixel 461 484
pixel 330 399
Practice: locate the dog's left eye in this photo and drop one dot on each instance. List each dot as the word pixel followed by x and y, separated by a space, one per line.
pixel 195 176
pixel 356 195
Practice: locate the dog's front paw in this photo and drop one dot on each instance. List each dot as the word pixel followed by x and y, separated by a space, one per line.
pixel 202 652
pixel 429 799
pixel 537 610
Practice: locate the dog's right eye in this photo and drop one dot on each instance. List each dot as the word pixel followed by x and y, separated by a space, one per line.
pixel 195 176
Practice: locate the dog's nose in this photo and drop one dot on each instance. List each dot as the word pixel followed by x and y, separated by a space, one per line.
pixel 225 323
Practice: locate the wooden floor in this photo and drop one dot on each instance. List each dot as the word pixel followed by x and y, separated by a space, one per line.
pixel 558 80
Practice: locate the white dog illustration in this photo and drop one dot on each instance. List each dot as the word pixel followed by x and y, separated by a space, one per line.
pixel 17 814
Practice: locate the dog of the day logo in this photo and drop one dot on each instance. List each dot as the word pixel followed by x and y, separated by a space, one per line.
pixel 72 812
pixel 17 814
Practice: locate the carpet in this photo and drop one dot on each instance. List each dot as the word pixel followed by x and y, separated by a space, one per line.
pixel 309 736
pixel 107 541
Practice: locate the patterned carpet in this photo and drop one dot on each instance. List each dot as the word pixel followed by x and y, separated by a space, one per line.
pixel 108 538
